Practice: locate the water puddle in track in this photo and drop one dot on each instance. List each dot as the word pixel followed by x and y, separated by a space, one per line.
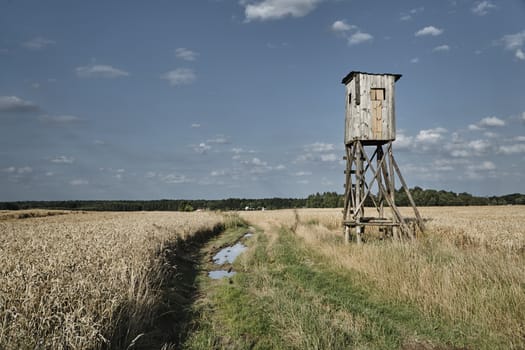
pixel 228 255
pixel 217 274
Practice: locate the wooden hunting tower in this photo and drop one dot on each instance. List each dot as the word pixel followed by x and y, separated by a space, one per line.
pixel 370 123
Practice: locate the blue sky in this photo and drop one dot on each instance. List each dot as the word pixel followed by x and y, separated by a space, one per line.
pixel 215 99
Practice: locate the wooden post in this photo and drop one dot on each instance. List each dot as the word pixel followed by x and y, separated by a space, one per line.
pixel 392 185
pixel 380 166
pixel 359 191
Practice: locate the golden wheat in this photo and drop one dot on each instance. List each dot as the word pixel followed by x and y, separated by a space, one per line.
pixel 69 281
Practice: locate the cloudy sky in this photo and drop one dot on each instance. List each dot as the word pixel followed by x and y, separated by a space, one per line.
pixel 243 98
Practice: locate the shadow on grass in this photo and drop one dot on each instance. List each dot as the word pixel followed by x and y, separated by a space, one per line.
pixel 140 324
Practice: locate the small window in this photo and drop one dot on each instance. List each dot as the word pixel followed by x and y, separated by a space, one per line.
pixel 377 94
pixel 349 99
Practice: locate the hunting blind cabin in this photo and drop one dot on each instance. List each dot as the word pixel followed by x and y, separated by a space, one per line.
pixel 370 129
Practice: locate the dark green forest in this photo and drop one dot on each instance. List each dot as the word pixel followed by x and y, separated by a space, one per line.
pixel 421 196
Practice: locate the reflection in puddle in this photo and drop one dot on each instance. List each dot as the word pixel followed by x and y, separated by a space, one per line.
pixel 220 274
pixel 229 254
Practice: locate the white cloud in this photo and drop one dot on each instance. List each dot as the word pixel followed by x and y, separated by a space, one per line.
pixel 219 173
pixel 320 147
pixel 277 9
pixel 460 153
pixel 202 148
pixel 474 127
pixel 430 135
pixel 78 182
pixel 63 160
pixel 100 71
pixel 16 104
pixel 443 164
pixel 258 166
pixel 35 85
pixel 303 182
pixel 37 43
pixel 59 119
pixel 359 37
pixel 21 170
pixel 195 125
pixel 486 165
pixel 491 121
pixel 514 41
pixel 175 178
pixel 350 32
pixel 150 174
pixel 331 157
pixel 414 60
pixel 257 161
pixel 10 169
pixel 179 76
pixel 520 55
pixel 24 170
pixel 441 48
pixel 512 149
pixel 479 146
pixel 519 138
pixel 486 122
pixel 402 141
pixel 430 30
pixel 186 54
pixel 342 26
pixel 303 173
pixel 99 142
pixel 219 139
pixel 462 149
pixel 405 16
pixel 482 8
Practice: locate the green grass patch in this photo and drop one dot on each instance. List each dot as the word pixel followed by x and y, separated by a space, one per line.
pixel 284 296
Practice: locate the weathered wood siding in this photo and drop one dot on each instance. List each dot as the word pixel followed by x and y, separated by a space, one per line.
pixel 363 114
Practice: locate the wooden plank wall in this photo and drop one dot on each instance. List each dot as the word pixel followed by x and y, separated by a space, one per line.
pixel 358 122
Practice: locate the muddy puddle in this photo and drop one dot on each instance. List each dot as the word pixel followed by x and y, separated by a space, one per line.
pixel 227 255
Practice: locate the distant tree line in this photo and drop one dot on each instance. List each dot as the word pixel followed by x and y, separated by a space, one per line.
pixel 318 200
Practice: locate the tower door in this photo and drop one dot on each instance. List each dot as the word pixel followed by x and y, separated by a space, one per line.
pixel 377 97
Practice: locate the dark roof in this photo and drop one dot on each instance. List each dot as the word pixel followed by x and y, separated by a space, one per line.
pixel 352 74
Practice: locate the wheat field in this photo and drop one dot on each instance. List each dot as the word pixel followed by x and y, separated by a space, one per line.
pixel 82 280
pixel 468 268
pixel 92 280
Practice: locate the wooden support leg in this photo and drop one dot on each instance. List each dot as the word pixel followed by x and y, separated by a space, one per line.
pixel 359 230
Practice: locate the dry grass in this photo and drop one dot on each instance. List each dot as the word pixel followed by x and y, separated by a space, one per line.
pixel 470 267
pixel 75 281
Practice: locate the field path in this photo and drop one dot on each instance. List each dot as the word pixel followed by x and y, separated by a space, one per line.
pixel 284 295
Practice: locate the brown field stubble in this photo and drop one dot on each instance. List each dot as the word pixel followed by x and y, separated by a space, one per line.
pixel 72 281
pixel 468 268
